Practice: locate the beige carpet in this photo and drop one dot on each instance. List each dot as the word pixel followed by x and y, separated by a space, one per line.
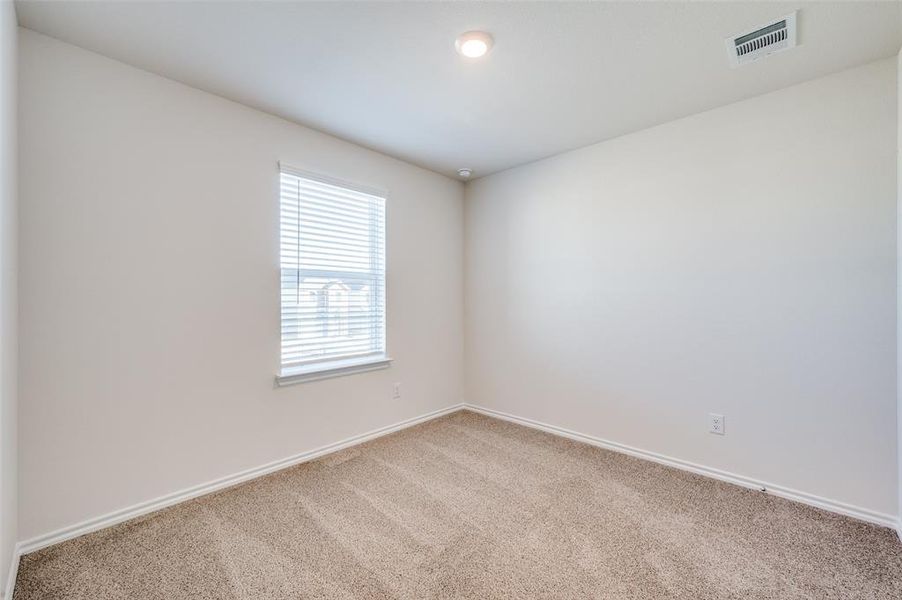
pixel 472 507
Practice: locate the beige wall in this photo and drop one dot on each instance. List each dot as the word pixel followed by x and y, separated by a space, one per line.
pixel 150 289
pixel 8 300
pixel 741 261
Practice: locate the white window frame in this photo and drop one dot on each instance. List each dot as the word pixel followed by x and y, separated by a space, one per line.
pixel 334 366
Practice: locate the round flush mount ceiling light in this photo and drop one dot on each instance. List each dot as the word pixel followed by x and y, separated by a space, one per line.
pixel 473 44
pixel 465 173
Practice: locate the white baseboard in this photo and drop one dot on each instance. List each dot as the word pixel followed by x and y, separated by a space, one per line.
pixel 143 508
pixel 10 585
pixel 842 508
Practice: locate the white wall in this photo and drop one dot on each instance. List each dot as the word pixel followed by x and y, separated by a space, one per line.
pixel 8 305
pixel 150 290
pixel 740 261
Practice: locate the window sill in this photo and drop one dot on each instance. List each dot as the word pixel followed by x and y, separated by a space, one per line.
pixel 326 370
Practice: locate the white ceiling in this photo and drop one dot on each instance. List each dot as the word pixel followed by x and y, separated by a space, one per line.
pixel 385 75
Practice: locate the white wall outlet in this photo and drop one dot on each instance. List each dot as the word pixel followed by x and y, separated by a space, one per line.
pixel 396 391
pixel 715 423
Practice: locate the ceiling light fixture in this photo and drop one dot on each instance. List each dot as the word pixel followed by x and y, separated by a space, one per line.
pixel 473 44
pixel 465 173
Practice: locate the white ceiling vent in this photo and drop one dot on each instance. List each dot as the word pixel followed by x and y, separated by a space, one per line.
pixel 762 41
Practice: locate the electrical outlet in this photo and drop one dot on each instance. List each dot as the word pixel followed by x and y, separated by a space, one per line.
pixel 715 423
pixel 396 391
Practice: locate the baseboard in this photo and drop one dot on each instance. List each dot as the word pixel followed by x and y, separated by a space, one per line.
pixel 842 508
pixel 9 585
pixel 143 508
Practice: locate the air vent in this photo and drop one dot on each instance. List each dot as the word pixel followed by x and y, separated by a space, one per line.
pixel 763 41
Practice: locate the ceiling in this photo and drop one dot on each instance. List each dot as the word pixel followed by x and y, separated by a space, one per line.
pixel 386 76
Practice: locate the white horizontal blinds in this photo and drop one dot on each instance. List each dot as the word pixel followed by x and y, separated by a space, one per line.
pixel 333 271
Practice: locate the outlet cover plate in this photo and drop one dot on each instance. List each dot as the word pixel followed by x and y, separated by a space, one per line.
pixel 716 423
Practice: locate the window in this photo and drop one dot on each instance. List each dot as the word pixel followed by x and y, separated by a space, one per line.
pixel 333 277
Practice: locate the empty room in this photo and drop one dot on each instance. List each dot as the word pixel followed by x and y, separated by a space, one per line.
pixel 465 300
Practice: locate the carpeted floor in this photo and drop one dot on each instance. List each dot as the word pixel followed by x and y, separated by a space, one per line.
pixel 471 507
